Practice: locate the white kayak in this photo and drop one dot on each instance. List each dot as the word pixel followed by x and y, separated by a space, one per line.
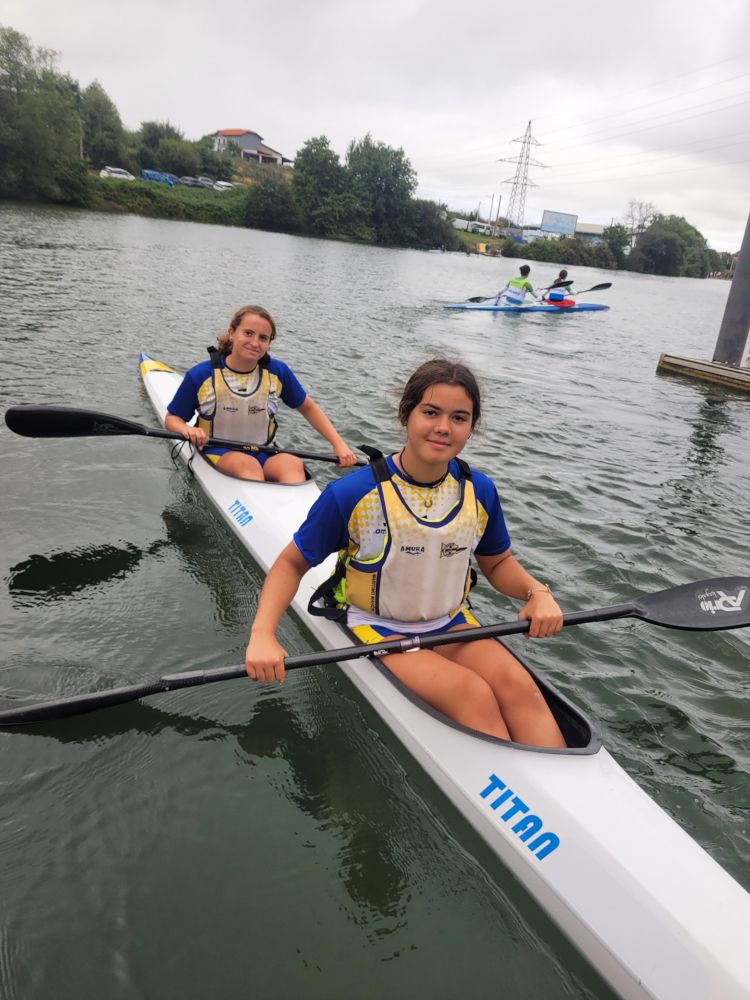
pixel 646 905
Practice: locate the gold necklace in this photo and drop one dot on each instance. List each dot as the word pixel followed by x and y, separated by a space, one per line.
pixel 427 501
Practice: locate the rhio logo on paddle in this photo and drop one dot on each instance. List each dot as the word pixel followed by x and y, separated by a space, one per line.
pixel 715 601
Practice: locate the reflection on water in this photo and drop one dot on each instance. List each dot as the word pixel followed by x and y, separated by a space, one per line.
pixel 364 819
pixel 42 578
pixel 711 423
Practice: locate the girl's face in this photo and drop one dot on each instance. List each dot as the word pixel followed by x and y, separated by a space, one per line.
pixel 252 339
pixel 440 424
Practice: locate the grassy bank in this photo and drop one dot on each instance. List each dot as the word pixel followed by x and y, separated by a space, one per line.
pixel 159 201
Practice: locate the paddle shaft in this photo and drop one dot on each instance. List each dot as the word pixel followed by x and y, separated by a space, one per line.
pixel 68 421
pixel 83 703
pixel 706 605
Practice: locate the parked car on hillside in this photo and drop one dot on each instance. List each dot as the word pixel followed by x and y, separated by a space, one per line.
pixel 158 177
pixel 205 182
pixel 223 186
pixel 192 182
pixel 117 172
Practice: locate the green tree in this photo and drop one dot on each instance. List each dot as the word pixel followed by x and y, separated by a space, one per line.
pixel 270 203
pixel 384 180
pixel 176 156
pixel 40 125
pixel 617 239
pixel 151 134
pixel 212 164
pixel 431 225
pixel 671 246
pixel 103 134
pixel 318 177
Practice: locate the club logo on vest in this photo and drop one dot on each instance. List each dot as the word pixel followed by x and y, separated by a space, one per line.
pixel 412 550
pixel 448 549
pixel 255 409
pixel 715 601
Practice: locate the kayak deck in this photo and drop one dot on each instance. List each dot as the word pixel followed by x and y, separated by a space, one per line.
pixel 650 910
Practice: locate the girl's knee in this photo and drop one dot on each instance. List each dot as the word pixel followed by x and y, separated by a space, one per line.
pixel 476 693
pixel 517 685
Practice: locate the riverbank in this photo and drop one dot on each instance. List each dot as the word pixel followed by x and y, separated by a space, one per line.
pixel 160 201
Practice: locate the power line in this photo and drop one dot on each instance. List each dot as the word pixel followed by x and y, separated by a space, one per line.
pixel 659 149
pixel 649 104
pixel 663 173
pixel 659 159
pixel 650 128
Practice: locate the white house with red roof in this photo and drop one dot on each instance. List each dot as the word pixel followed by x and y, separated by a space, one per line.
pixel 250 144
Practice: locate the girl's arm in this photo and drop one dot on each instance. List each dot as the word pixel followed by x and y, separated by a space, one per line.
pixel 508 576
pixel 264 657
pixel 196 435
pixel 320 423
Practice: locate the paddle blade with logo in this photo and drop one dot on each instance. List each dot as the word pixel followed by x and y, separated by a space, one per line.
pixel 708 605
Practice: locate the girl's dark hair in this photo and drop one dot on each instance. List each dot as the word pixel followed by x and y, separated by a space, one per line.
pixel 525 269
pixel 224 340
pixel 563 273
pixel 438 371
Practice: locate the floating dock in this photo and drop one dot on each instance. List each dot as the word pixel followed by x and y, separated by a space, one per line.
pixel 706 371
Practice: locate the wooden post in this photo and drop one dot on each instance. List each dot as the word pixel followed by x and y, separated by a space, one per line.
pixel 735 325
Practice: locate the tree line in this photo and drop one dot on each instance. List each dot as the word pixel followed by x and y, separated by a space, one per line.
pixel 646 241
pixel 55 136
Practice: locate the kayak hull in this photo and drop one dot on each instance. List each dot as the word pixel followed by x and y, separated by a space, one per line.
pixel 650 910
pixel 543 308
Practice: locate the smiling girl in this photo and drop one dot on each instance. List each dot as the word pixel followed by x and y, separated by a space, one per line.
pixel 236 395
pixel 405 528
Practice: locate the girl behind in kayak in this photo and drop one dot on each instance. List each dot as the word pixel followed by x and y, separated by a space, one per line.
pixel 405 528
pixel 236 395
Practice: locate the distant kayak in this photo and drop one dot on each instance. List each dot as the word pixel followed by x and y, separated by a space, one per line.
pixel 536 308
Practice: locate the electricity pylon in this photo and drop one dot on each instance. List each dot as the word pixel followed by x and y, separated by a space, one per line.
pixel 520 181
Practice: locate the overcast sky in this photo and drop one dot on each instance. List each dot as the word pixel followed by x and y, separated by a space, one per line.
pixel 648 99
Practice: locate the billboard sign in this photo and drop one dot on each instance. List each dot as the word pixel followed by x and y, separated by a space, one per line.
pixel 558 222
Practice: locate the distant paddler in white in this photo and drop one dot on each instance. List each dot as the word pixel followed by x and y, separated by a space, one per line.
pixel 236 395
pixel 406 528
pixel 515 292
pixel 559 290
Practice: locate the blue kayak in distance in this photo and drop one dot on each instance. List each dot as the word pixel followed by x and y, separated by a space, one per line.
pixel 546 308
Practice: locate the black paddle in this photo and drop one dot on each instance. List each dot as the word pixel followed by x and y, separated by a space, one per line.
pixel 708 605
pixel 596 288
pixel 67 421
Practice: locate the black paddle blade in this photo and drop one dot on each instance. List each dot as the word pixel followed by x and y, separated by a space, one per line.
pixel 66 421
pixel 708 605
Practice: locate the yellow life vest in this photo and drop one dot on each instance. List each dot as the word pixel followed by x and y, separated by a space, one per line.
pixel 245 412
pixel 423 569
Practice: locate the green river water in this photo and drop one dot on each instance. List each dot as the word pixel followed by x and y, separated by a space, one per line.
pixel 233 842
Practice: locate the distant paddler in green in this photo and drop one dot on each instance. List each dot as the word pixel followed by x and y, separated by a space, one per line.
pixel 516 290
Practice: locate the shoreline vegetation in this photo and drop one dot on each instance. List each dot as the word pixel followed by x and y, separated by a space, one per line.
pixel 56 136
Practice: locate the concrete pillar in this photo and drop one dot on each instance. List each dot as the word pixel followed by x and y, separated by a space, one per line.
pixel 733 332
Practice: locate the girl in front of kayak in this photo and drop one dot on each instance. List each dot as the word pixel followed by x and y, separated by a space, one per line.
pixel 405 528
pixel 236 395
pixel 516 290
